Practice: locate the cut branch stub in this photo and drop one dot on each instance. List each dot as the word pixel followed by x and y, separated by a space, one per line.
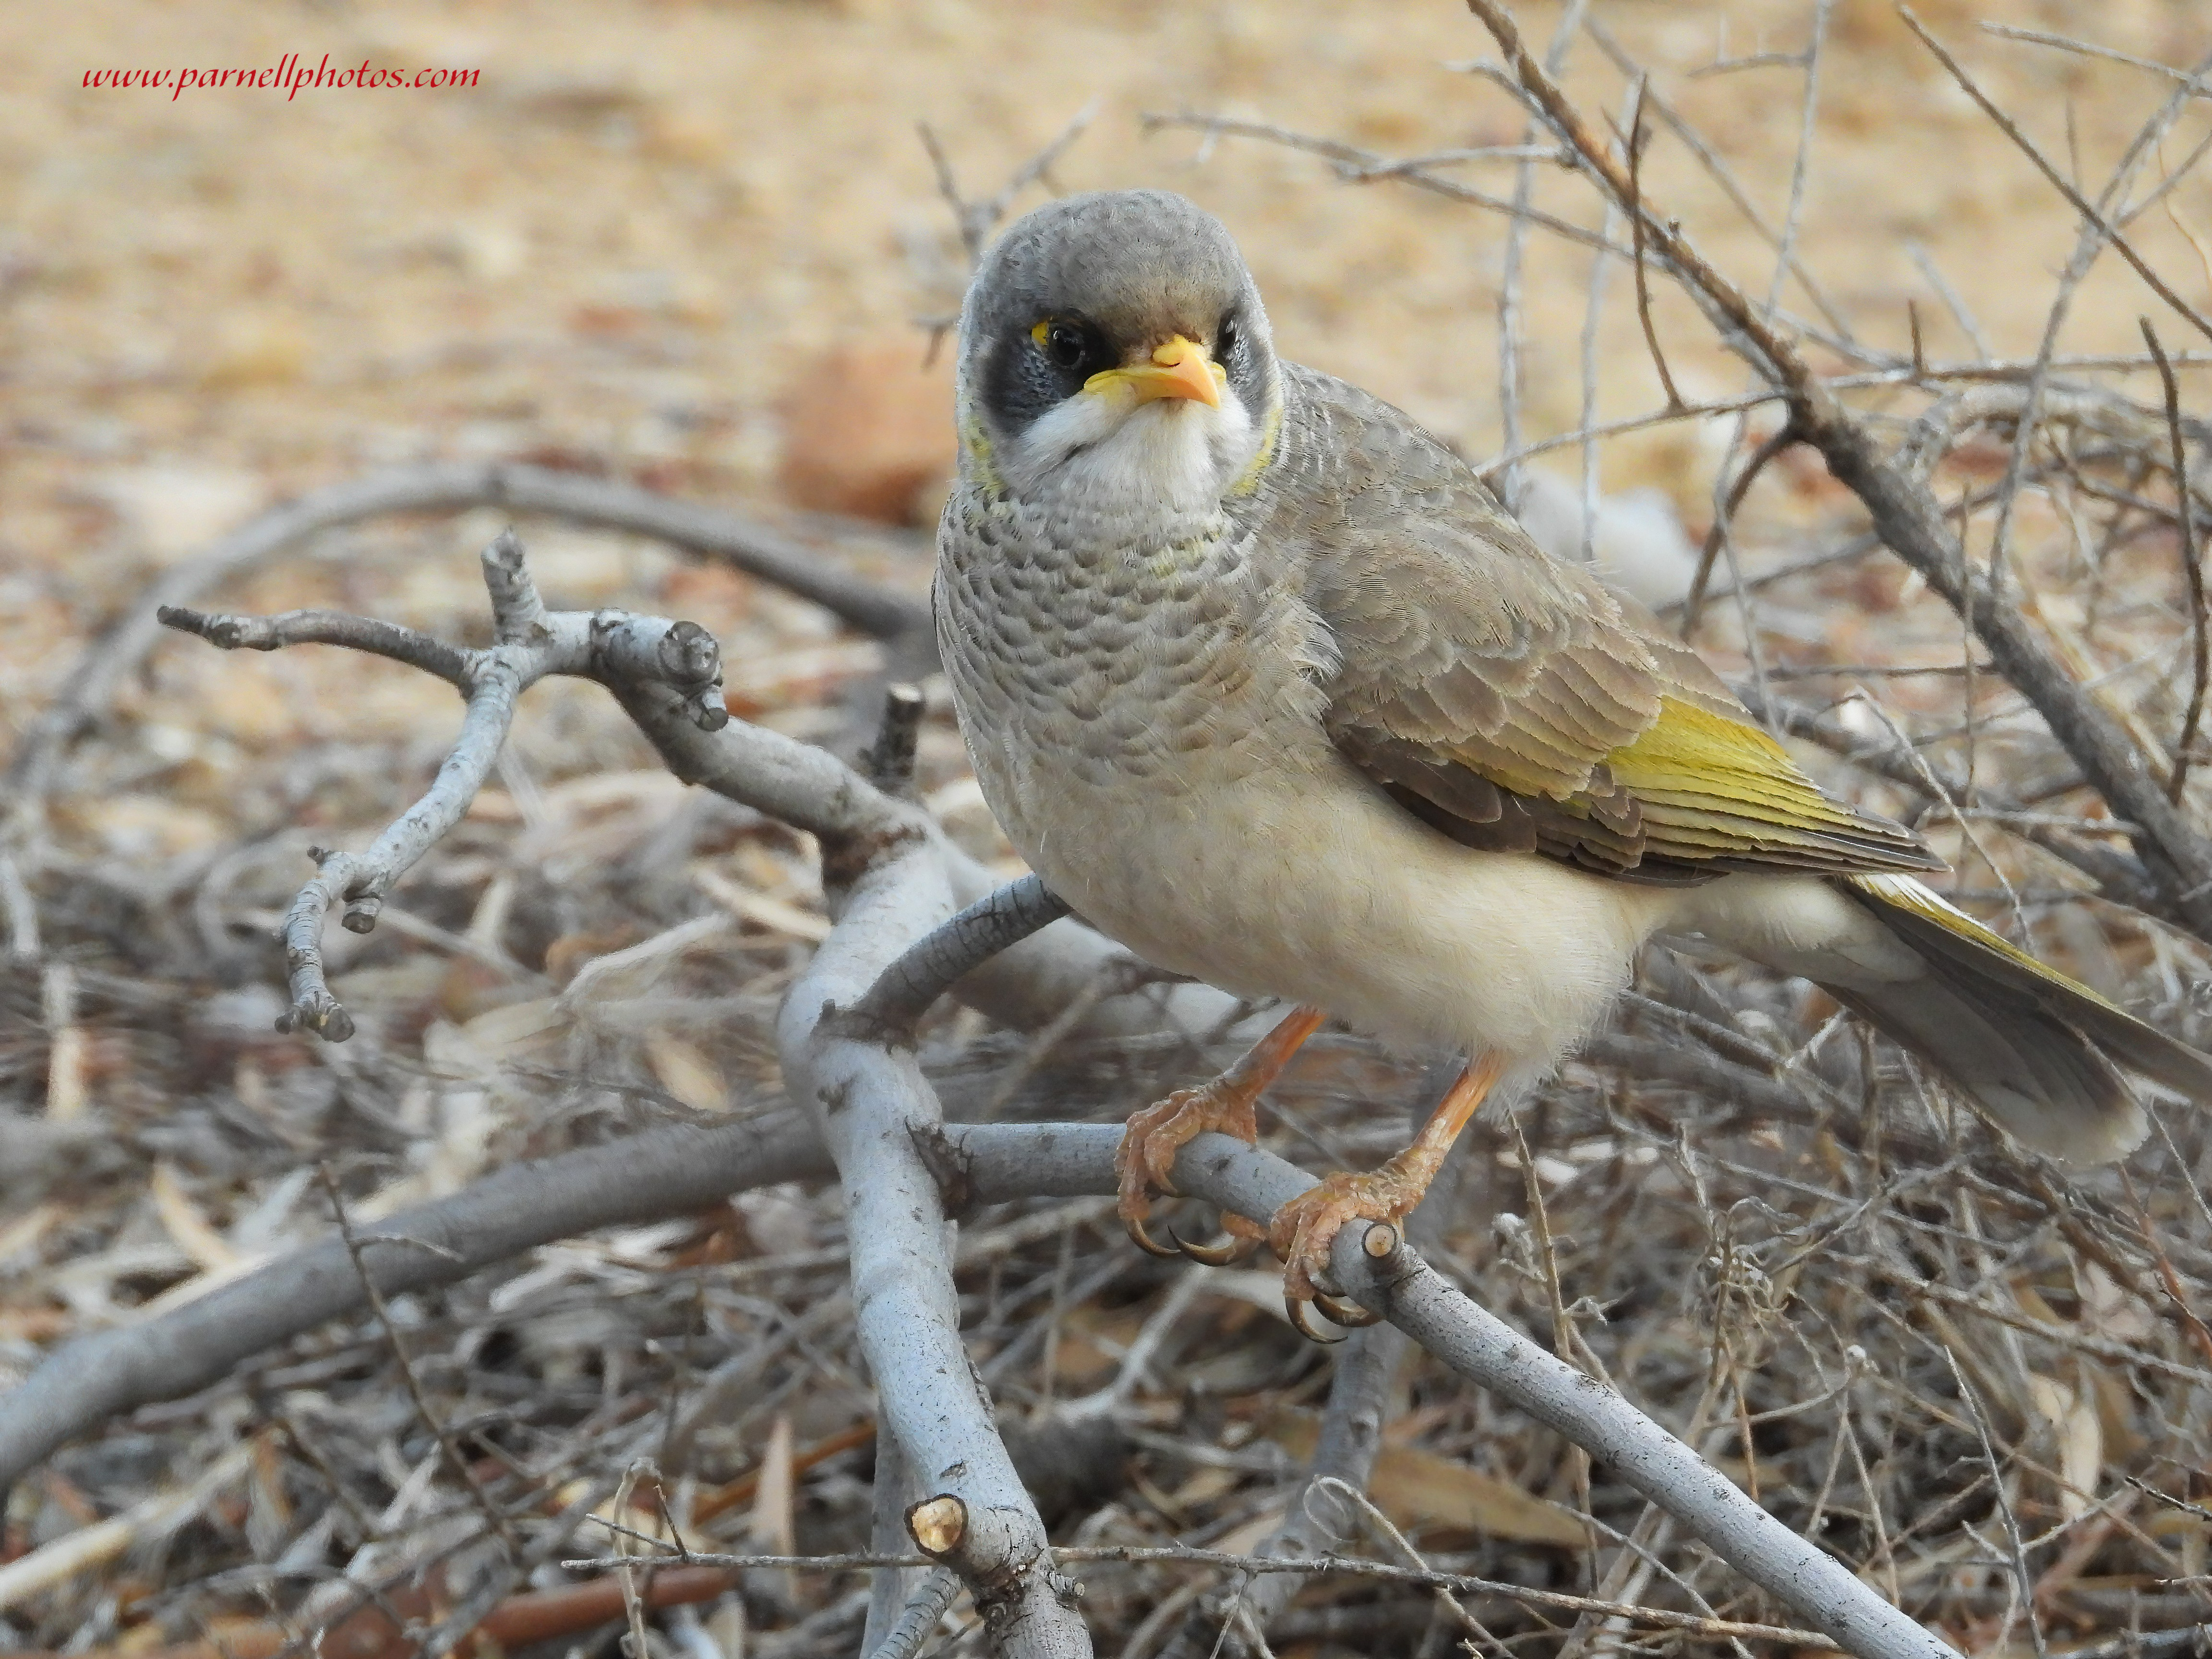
pixel 991 1549
pixel 888 762
pixel 938 1524
pixel 682 656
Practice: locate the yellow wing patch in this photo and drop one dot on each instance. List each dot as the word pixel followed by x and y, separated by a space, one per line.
pixel 1709 786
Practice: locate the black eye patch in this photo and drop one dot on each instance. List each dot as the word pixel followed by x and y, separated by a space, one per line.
pixel 1031 370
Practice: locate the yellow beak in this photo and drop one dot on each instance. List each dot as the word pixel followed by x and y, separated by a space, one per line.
pixel 1181 369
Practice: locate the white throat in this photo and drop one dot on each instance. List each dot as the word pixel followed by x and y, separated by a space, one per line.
pixel 1173 456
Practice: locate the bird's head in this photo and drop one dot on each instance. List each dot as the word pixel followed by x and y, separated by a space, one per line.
pixel 1114 353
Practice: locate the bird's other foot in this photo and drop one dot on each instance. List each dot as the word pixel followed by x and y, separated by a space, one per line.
pixel 1304 1229
pixel 1144 1162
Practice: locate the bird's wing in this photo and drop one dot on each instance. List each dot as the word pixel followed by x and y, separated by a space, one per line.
pixel 1512 700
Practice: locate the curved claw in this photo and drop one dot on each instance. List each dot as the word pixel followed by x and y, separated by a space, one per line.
pixel 1301 1318
pixel 1343 1310
pixel 1144 1241
pixel 1228 1251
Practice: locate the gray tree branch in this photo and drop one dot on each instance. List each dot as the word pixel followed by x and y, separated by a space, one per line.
pixel 874 1110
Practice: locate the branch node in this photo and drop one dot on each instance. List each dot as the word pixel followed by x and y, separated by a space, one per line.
pixel 516 610
pixel 927 968
pixel 888 762
pixel 319 1012
pixel 633 650
pixel 225 632
pixel 948 1165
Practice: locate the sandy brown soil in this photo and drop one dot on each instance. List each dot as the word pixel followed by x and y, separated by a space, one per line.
pixel 645 219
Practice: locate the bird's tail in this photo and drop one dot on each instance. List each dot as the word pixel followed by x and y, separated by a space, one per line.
pixel 2042 1057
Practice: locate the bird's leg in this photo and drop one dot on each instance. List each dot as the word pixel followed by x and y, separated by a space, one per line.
pixel 1145 1159
pixel 1303 1228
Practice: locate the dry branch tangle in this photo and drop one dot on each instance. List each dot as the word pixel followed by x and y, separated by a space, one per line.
pixel 1906 512
pixel 894 881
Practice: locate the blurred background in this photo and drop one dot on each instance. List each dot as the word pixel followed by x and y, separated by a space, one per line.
pixel 688 243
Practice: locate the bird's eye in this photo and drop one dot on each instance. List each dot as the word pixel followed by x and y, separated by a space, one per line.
pixel 1225 339
pixel 1065 343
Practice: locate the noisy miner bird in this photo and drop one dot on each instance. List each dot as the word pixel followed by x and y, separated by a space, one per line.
pixel 1266 684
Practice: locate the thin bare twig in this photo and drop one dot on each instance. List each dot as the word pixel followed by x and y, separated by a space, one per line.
pixel 494 1517
pixel 1721 173
pixel 1731 500
pixel 1661 1617
pixel 977 219
pixel 917 1620
pixel 2090 49
pixel 2064 186
pixel 1638 139
pixel 1355 164
pixel 2192 567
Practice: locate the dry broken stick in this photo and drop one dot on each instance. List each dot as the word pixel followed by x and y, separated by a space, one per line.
pixel 530 643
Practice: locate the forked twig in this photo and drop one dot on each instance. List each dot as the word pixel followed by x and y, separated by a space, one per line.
pixel 2081 203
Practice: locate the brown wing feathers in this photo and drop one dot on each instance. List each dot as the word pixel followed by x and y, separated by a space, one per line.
pixel 1513 703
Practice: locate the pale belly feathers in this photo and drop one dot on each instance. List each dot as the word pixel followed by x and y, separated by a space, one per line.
pixel 1193 810
pixel 1319 889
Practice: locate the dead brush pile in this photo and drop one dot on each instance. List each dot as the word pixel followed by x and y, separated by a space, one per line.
pixel 348 1347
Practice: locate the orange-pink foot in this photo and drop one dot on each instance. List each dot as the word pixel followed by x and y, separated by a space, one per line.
pixel 1144 1162
pixel 1304 1229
